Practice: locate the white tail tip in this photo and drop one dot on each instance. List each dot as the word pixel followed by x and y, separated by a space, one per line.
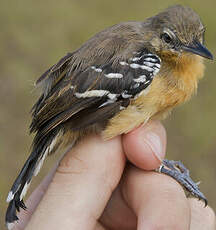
pixel 10 196
pixel 10 226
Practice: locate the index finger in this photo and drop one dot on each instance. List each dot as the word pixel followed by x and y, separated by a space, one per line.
pixel 158 201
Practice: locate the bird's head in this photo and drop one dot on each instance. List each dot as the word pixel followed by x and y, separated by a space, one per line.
pixel 177 30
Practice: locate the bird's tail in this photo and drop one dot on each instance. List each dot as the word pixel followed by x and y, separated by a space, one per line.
pixel 31 168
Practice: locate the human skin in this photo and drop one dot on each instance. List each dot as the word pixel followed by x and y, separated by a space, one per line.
pixel 95 188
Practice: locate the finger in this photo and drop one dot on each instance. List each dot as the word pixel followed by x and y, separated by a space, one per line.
pixel 145 146
pixel 202 218
pixel 81 186
pixel 158 201
pixel 118 214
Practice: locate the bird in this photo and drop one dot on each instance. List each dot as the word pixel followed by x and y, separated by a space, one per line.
pixel 121 78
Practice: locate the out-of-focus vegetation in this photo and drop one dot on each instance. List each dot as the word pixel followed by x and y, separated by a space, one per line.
pixel 35 34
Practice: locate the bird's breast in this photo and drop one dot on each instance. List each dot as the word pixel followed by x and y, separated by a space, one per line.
pixel 173 85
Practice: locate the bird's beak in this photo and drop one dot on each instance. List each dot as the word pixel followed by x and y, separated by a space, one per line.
pixel 199 49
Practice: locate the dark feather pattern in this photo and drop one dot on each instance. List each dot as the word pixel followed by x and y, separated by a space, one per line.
pixel 62 103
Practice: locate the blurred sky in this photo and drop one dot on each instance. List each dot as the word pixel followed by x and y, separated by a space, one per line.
pixel 36 34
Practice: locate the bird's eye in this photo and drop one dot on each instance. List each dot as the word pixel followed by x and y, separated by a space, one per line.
pixel 166 37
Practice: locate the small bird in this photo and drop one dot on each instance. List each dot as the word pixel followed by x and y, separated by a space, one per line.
pixel 120 78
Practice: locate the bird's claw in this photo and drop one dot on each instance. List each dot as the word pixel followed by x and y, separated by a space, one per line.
pixel 180 173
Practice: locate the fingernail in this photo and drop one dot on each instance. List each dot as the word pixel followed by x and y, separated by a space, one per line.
pixel 155 143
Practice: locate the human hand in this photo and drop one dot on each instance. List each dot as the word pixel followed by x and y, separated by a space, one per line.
pixel 94 189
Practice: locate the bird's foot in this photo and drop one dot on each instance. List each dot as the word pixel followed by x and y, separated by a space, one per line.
pixel 180 173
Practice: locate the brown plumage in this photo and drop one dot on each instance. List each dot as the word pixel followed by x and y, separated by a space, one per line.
pixel 122 77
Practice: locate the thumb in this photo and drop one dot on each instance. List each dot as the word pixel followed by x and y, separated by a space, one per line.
pixel 145 146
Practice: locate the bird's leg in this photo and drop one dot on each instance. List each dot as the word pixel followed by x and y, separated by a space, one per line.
pixel 180 173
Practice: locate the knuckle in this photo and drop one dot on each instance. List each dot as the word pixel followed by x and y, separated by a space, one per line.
pixel 210 215
pixel 201 218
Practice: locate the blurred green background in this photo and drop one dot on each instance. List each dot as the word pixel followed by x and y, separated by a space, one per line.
pixel 36 34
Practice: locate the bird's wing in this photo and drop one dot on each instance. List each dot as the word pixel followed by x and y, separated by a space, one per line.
pixel 91 94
